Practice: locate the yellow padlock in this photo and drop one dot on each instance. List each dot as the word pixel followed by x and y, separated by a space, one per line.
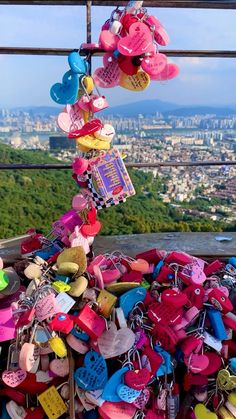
pixel 88 84
pixel 60 286
pixel 52 403
pixel 58 346
pixel 225 414
pixel 232 398
pixel 106 301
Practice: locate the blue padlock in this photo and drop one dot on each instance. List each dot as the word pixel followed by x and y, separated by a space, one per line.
pixel 166 367
pixel 77 64
pixel 128 300
pixel 80 335
pixel 232 261
pixel 66 93
pixel 232 365
pixel 217 324
pixel 63 278
pixel 109 393
pixel 157 269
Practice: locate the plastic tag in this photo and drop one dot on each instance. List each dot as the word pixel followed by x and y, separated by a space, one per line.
pixel 52 403
pixel 108 180
pixel 212 341
pixel 65 302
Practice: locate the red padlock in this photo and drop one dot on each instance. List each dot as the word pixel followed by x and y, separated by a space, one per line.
pixel 161 313
pixel 62 322
pixel 90 322
pixel 165 336
pixel 219 300
pixel 152 256
pixel 151 360
pixel 213 267
pixel 195 294
pixel 180 258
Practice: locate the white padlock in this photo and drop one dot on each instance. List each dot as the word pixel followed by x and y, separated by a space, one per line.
pixel 115 27
pixel 106 133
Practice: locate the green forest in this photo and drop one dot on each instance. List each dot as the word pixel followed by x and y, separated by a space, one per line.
pixel 36 198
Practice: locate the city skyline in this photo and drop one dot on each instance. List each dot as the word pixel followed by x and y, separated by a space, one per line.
pixel 26 80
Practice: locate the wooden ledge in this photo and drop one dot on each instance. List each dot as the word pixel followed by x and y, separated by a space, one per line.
pixel 197 244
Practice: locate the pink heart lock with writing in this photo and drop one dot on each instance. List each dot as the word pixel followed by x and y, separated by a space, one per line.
pixel 170 71
pixel 137 42
pixel 154 64
pixel 109 75
pixel 80 165
pixel 70 118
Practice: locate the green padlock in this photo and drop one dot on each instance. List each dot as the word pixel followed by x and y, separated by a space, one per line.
pixel 4 280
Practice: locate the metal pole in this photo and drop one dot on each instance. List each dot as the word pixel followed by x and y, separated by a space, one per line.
pixel 89 30
pixel 128 165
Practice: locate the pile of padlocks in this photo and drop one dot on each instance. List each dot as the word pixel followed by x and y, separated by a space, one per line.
pixel 151 336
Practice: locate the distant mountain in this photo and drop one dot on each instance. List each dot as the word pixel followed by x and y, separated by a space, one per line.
pixel 150 107
pixel 144 107
pixel 201 110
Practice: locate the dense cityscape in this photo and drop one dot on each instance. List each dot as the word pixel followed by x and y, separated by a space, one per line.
pixel 147 139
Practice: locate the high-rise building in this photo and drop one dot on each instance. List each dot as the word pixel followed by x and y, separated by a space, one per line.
pixel 61 143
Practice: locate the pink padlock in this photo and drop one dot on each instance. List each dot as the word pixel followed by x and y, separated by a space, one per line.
pixel 7 325
pixel 79 202
pixel 97 103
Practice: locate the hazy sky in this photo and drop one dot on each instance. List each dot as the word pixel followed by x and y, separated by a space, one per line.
pixel 26 80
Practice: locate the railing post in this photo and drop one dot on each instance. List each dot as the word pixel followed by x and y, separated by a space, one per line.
pixel 89 30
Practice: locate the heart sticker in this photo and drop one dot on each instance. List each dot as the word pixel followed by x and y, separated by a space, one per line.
pixel 109 392
pixel 154 65
pixel 127 394
pixel 71 118
pixel 93 376
pixel 136 83
pixel 120 410
pixel 201 412
pixel 142 399
pixel 137 379
pixel 109 75
pixel 13 378
pixel 66 92
pixel 113 342
pixel 77 64
pixel 138 42
pixel 226 381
